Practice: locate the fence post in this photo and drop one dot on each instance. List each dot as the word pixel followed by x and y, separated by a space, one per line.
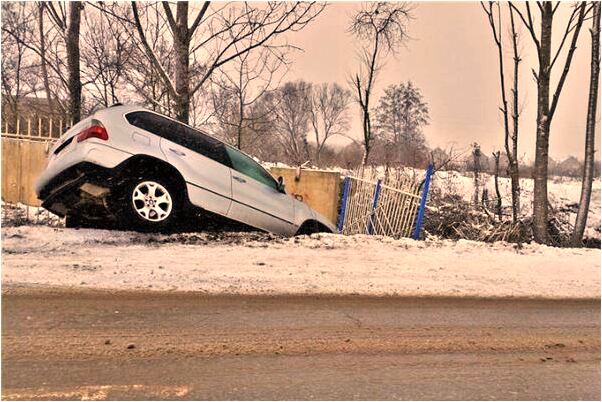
pixel 425 192
pixel 374 205
pixel 341 220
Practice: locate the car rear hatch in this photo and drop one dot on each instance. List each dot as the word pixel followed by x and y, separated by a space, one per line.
pixel 65 140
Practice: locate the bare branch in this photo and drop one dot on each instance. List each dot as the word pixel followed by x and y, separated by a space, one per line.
pixel 149 52
pixel 569 58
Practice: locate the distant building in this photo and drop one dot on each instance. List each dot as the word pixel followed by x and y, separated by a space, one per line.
pixel 34 116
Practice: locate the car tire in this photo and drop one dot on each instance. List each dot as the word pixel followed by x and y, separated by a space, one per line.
pixel 311 227
pixel 148 204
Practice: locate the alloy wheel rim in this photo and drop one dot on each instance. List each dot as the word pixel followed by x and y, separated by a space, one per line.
pixel 152 201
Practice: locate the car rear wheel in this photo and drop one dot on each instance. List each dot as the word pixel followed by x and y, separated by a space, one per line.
pixel 152 201
pixel 148 204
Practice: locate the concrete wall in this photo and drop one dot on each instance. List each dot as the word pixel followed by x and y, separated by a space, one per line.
pixel 317 188
pixel 22 162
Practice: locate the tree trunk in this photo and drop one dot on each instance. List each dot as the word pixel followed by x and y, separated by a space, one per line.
pixel 239 135
pixel 241 109
pixel 498 195
pixel 590 132
pixel 513 154
pixel 43 67
pixel 72 43
pixel 182 48
pixel 540 171
pixel 476 171
pixel 367 137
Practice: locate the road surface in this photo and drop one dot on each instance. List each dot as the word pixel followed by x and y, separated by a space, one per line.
pixel 98 345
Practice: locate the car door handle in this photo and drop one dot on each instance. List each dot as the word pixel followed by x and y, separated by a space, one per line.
pixel 175 151
pixel 239 179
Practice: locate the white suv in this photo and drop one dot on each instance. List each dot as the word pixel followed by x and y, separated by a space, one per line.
pixel 143 170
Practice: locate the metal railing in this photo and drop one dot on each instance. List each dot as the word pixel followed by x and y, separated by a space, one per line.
pixel 393 209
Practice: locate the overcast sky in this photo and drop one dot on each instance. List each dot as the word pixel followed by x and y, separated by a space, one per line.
pixel 452 59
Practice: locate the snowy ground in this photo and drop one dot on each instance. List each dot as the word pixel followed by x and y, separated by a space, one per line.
pixel 257 263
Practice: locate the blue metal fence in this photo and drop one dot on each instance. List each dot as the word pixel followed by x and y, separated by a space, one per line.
pixel 422 208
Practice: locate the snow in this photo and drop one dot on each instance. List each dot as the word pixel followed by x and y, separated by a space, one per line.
pixel 263 264
pixel 20 214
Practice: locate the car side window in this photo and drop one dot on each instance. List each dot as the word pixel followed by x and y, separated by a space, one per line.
pixel 180 134
pixel 243 164
pixel 152 123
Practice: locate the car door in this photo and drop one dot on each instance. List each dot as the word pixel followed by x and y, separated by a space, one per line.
pixel 208 182
pixel 201 159
pixel 256 198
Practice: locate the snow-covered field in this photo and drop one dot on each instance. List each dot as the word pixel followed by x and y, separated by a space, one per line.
pixel 257 263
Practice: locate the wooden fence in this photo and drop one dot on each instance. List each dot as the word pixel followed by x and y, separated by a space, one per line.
pixel 24 153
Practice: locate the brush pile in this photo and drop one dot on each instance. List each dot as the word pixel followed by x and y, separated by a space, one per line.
pixel 450 217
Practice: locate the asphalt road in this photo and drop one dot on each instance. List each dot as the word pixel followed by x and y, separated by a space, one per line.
pixel 95 345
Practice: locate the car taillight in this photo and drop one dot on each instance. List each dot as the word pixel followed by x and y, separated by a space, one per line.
pixel 96 130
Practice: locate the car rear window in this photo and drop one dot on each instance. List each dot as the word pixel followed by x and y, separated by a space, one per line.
pixel 180 134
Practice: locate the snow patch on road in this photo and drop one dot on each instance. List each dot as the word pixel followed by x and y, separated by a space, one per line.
pixel 263 264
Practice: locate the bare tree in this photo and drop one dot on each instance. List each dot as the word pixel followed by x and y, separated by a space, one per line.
pixel 105 55
pixel 442 159
pixel 140 72
pixel 400 117
pixel 291 108
pixel 240 85
pixel 494 16
pixel 512 151
pixel 42 53
pixel 546 107
pixel 328 114
pixel 381 28
pixel 58 49
pixel 590 130
pixel 67 20
pixel 15 17
pixel 217 37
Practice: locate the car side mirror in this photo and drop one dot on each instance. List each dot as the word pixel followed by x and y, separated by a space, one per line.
pixel 281 184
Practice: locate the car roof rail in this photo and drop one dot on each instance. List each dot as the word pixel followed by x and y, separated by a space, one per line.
pixel 116 104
